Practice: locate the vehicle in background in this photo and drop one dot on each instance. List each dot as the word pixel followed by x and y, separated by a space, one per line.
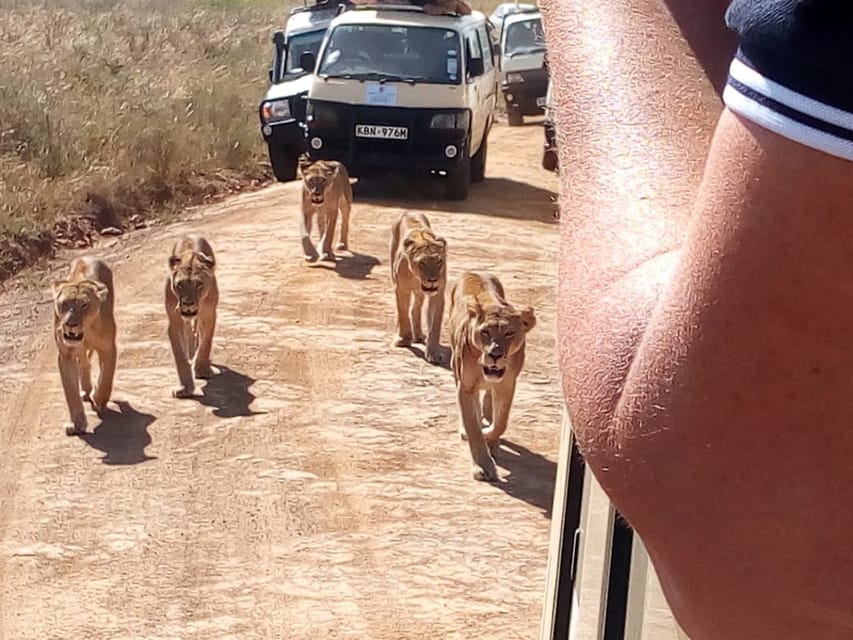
pixel 524 77
pixel 397 89
pixel 507 8
pixel 549 153
pixel 282 110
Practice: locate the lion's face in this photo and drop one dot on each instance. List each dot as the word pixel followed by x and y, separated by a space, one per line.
pixel 76 305
pixel 317 177
pixel 191 277
pixel 426 254
pixel 497 334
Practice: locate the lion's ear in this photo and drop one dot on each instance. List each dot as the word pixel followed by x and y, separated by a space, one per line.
pixel 441 241
pixel 304 162
pixel 408 243
pixel 474 308
pixel 206 261
pixel 174 261
pixel 528 318
pixel 101 290
pixel 56 286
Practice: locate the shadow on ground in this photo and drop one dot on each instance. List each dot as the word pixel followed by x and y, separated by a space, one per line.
pixel 420 352
pixel 499 197
pixel 531 477
pixel 228 393
pixel 350 265
pixel 122 435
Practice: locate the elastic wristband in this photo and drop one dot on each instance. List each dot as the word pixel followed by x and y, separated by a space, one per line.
pixel 788 113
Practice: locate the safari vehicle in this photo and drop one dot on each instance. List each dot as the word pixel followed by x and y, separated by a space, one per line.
pixel 397 89
pixel 524 76
pixel 549 153
pixel 282 110
pixel 507 8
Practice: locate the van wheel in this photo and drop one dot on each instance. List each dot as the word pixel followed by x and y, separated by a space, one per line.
pixel 514 116
pixel 549 161
pixel 478 161
pixel 459 181
pixel 284 162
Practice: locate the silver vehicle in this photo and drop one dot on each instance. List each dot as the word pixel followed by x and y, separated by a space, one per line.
pixel 505 9
pixel 524 76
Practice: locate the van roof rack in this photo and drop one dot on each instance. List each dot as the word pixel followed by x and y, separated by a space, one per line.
pixel 392 6
pixel 321 5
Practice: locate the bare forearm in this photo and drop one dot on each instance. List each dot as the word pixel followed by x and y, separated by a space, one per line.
pixel 636 111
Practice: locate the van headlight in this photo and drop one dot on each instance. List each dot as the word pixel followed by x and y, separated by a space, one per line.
pixel 321 115
pixel 514 78
pixel 276 110
pixel 455 120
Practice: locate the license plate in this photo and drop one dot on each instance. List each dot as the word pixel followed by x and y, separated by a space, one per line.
pixel 381 131
pixel 540 102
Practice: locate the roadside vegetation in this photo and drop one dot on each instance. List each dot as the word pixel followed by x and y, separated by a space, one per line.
pixel 115 113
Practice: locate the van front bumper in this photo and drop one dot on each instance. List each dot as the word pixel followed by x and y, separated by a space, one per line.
pixel 332 135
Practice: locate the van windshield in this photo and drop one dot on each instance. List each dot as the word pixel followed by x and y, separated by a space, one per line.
pixel 393 53
pixel 297 45
pixel 524 37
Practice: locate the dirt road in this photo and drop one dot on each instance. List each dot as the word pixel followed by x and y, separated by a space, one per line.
pixel 318 488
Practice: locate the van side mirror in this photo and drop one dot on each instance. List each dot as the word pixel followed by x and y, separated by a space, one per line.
pixel 275 71
pixel 308 61
pixel 476 67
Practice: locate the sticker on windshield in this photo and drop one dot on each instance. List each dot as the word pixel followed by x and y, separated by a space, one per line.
pixel 381 94
pixel 452 65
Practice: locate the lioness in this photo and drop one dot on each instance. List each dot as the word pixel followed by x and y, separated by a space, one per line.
pixel 326 188
pixel 83 322
pixel 487 340
pixel 191 298
pixel 418 271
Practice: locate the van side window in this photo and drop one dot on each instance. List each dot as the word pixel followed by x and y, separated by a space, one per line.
pixel 474 52
pixel 486 48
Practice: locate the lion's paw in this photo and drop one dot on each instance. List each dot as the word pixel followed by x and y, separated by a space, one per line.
pixel 486 473
pixel 204 372
pixel 99 403
pixel 72 429
pixel 341 246
pixel 403 341
pixel 183 392
pixel 434 356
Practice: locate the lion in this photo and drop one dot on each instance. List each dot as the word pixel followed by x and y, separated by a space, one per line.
pixel 487 341
pixel 418 272
pixel 84 322
pixel 191 298
pixel 326 188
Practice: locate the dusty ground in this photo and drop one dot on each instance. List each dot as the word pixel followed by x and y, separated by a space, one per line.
pixel 318 488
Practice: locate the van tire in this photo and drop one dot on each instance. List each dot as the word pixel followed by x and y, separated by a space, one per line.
pixel 478 161
pixel 513 115
pixel 284 161
pixel 459 181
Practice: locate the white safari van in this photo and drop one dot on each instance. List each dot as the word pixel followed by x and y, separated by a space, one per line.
pixel 282 109
pixel 397 89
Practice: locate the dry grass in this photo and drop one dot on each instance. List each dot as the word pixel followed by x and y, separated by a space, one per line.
pixel 111 109
pixel 137 107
